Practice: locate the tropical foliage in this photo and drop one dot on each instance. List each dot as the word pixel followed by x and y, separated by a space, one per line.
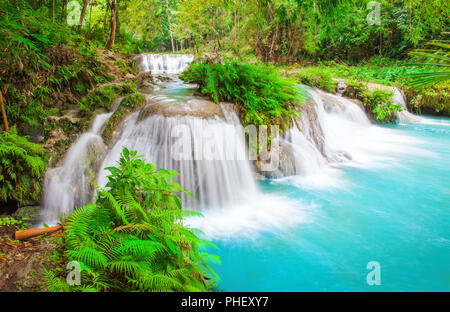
pixel 132 238
pixel 437 54
pixel 21 168
pixel 261 94
pixel 379 104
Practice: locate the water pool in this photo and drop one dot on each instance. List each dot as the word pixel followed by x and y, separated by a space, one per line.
pixel 396 213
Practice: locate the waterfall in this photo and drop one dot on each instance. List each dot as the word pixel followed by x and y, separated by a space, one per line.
pixel 199 149
pixel 205 144
pixel 404 116
pixel 335 131
pixel 70 186
pixel 163 63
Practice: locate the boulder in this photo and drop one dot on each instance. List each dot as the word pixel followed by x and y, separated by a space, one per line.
pixel 195 106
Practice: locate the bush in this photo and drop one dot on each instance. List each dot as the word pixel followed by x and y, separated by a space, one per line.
pixel 261 94
pixel 21 168
pixel 132 237
pixel 316 78
pixel 430 99
pixel 379 105
pixel 354 88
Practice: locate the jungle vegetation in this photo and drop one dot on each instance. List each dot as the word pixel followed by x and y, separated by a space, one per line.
pixel 53 59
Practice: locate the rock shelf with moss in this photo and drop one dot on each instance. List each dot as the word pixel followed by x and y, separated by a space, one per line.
pixel 129 104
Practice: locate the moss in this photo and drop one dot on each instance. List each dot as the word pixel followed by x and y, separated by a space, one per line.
pixel 123 66
pixel 354 88
pixel 128 87
pixel 128 105
pixel 103 97
pixel 99 98
pixel 133 101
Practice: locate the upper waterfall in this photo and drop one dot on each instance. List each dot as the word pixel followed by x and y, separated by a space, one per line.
pixel 163 63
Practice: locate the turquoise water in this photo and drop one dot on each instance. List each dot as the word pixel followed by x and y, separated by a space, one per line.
pixel 397 214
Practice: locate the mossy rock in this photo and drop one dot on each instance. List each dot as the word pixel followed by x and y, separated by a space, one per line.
pixel 128 105
pixel 31 214
pixel 104 96
pixel 431 100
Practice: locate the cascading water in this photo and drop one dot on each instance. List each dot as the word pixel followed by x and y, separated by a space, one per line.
pixel 404 116
pixel 385 199
pixel 163 63
pixel 70 186
pixel 197 149
pixel 381 184
pixel 343 135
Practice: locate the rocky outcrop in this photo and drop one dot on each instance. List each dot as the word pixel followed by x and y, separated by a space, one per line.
pixel 286 162
pixel 195 106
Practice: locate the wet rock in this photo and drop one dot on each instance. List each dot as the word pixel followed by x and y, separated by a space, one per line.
pixel 146 77
pixel 310 125
pixel 31 213
pixel 285 165
pixel 195 106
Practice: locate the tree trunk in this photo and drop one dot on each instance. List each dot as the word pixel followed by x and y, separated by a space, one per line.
pixel 170 26
pixel 83 13
pixel 2 104
pixel 235 21
pixel 112 35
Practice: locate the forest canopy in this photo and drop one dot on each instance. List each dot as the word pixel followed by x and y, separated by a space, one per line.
pixel 272 30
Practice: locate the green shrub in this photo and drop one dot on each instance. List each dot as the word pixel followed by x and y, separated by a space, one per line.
pixel 379 105
pixel 21 168
pixel 262 96
pixel 13 222
pixel 103 97
pixel 354 88
pixel 317 78
pixel 132 238
pixel 430 99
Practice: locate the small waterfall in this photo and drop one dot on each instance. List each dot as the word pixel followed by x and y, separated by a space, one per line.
pixel 335 131
pixel 70 186
pixel 163 63
pixel 404 116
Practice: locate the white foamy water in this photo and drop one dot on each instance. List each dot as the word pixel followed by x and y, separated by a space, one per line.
pixel 349 139
pixel 69 186
pixel 205 168
pixel 163 63
pixel 404 116
pixel 256 214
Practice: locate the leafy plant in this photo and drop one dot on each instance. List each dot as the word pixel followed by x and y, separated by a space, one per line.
pixel 21 168
pixel 133 237
pixel 10 221
pixel 379 104
pixel 316 78
pixel 438 54
pixel 261 94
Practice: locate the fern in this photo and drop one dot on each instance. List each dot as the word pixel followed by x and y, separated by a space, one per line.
pixel 261 94
pixel 131 239
pixel 21 168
